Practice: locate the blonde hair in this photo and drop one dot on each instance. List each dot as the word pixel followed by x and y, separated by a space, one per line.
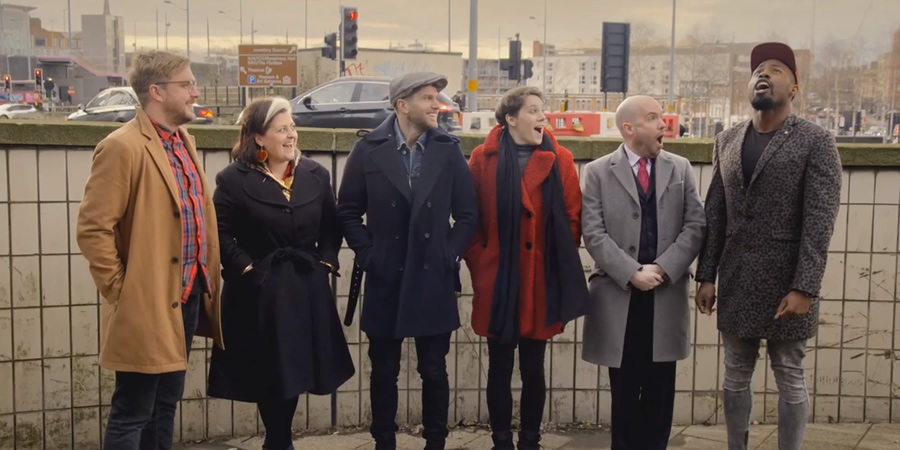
pixel 153 67
pixel 255 120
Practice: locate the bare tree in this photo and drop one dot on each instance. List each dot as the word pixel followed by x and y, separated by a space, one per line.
pixel 644 41
pixel 701 71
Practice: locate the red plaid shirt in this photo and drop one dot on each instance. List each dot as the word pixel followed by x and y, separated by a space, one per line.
pixel 190 193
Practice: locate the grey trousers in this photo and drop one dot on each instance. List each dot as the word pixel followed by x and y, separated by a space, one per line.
pixel 793 399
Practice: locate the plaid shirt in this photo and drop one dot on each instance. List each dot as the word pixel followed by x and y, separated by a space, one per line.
pixel 190 193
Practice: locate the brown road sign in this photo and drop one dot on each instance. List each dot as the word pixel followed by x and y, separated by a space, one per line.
pixel 267 65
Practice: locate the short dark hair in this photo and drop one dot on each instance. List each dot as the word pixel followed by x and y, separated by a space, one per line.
pixel 513 100
pixel 255 120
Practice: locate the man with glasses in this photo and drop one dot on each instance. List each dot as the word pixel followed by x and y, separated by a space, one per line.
pixel 147 227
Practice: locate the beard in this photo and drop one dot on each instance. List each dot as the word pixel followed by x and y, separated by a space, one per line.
pixel 762 103
pixel 421 122
pixel 176 114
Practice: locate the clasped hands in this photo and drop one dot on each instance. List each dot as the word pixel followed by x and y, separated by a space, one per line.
pixel 648 277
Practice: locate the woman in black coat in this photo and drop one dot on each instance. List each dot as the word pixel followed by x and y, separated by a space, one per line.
pixel 279 239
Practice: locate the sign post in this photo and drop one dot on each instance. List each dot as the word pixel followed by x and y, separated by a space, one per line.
pixel 267 66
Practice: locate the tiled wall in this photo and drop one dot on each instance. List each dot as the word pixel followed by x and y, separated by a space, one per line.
pixel 54 395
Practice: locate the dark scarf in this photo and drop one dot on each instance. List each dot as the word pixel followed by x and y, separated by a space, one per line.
pixel 567 293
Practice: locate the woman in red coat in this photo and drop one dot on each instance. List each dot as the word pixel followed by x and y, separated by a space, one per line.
pixel 526 271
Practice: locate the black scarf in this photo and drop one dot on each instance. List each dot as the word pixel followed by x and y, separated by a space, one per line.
pixel 567 294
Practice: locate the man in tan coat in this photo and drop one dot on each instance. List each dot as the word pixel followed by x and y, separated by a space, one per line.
pixel 147 227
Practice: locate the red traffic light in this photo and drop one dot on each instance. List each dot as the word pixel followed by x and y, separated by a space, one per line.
pixel 353 15
pixel 6 78
pixel 37 72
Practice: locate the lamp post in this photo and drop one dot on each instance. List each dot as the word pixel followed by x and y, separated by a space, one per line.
pixel 543 50
pixel 240 20
pixel 187 10
pixel 672 64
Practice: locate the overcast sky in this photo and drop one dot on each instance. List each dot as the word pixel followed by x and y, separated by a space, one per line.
pixel 383 22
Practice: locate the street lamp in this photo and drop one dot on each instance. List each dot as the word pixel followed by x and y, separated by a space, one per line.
pixel 187 10
pixel 543 50
pixel 239 20
pixel 671 105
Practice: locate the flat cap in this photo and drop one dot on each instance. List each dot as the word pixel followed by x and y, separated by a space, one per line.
pixel 405 85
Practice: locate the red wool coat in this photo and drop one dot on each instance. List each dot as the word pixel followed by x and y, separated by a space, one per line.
pixel 483 255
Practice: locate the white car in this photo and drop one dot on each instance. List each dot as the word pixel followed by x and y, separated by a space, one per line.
pixel 17 111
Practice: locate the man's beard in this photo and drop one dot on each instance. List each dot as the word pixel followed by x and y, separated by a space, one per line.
pixel 762 103
pixel 177 115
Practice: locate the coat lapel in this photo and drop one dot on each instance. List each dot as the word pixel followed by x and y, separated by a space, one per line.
pixel 387 158
pixel 263 189
pixel 662 170
pixel 432 163
pixel 306 186
pixel 157 152
pixel 781 136
pixel 625 174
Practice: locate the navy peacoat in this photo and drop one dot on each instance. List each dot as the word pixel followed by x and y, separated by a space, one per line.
pixel 408 247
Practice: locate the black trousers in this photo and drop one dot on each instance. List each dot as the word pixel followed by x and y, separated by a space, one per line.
pixel 499 392
pixel 142 410
pixel 643 391
pixel 431 352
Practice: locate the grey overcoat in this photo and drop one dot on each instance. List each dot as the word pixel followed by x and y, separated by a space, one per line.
pixel 611 223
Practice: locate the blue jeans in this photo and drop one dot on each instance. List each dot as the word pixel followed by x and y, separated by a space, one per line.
pixel 793 399
pixel 142 413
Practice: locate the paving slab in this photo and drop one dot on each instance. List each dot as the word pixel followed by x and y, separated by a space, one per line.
pixel 881 437
pixel 763 437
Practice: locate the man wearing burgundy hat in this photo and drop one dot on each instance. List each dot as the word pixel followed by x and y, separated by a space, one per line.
pixel 770 213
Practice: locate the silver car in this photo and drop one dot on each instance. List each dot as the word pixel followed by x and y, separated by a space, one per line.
pixel 17 111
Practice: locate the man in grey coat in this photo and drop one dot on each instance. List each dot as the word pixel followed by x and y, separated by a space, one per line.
pixel 643 224
pixel 771 208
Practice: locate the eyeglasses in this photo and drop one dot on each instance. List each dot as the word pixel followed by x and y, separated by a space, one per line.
pixel 189 84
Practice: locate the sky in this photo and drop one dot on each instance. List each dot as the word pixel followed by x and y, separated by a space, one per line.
pixel 869 23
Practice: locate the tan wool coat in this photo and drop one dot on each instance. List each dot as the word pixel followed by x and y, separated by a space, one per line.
pixel 130 231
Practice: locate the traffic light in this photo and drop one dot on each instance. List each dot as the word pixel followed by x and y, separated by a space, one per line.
pixel 515 60
pixel 38 77
pixel 7 82
pixel 330 49
pixel 528 70
pixel 349 25
pixel 615 55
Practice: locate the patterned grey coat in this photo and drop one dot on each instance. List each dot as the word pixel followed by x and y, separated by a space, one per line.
pixel 773 236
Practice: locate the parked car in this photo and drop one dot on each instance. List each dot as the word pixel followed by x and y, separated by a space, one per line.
pixel 18 111
pixel 357 103
pixel 117 105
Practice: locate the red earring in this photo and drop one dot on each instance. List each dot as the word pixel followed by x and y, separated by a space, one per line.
pixel 262 155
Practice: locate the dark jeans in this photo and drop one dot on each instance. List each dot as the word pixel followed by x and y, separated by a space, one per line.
pixel 142 413
pixel 643 391
pixel 534 389
pixel 277 416
pixel 432 355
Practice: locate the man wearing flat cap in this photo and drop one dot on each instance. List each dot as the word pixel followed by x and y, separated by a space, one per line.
pixel 770 212
pixel 408 177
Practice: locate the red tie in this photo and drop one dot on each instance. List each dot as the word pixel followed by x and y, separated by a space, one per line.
pixel 643 176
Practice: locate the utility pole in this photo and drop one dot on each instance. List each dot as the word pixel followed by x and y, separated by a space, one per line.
pixel 472 100
pixel 671 105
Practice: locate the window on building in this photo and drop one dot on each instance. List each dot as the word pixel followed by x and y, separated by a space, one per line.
pixel 40 42
pixel 583 79
pixel 550 67
pixel 595 65
pixel 583 66
pixel 594 80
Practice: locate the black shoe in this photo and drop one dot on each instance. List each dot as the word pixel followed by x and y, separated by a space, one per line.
pixel 529 440
pixel 503 440
pixel 435 444
pixel 386 443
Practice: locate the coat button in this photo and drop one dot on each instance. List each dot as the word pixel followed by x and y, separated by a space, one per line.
pixel 425 266
pixel 174 260
pixel 428 204
pixel 397 238
pixel 635 215
pixel 528 245
pixel 528 214
pixel 287 210
pixel 401 268
pixel 176 214
pixel 175 305
pixel 631 249
pixel 393 204
pixel 427 235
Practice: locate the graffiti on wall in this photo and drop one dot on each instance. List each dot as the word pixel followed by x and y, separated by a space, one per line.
pixel 383 68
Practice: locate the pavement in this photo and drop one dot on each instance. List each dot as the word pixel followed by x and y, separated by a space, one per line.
pixel 762 437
